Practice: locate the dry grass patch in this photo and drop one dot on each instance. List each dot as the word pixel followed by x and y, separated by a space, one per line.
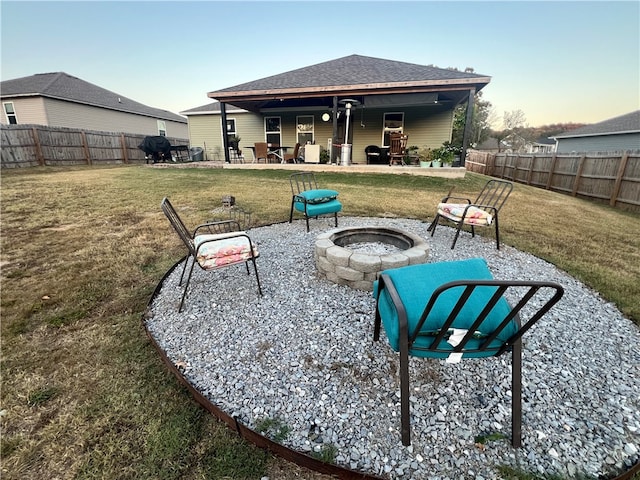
pixel 84 395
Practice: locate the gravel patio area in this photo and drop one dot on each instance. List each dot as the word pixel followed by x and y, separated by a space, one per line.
pixel 303 357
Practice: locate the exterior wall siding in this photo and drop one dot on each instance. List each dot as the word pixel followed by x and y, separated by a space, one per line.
pixel 29 110
pixel 600 143
pixel 73 115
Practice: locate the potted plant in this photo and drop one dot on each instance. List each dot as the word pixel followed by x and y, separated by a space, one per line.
pixel 435 156
pixel 325 156
pixel 234 142
pixel 410 154
pixel 452 153
pixel 424 157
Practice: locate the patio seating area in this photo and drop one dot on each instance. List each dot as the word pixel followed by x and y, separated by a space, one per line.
pixel 302 356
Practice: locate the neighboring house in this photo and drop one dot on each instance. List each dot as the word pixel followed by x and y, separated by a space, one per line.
pixel 60 100
pixel 614 135
pixel 489 145
pixel 311 105
pixel 541 145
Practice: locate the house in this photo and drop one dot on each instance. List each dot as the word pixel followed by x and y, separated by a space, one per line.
pixel 614 135
pixel 541 145
pixel 61 100
pixel 341 106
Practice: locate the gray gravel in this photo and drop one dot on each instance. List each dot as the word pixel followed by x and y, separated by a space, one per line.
pixel 303 355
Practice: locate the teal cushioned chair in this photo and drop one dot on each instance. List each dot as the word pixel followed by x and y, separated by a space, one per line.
pixel 457 310
pixel 310 200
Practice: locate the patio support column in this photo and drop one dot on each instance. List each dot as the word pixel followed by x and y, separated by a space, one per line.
pixel 468 124
pixel 225 139
pixel 335 130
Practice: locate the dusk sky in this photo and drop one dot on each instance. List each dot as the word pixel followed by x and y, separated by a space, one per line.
pixel 556 61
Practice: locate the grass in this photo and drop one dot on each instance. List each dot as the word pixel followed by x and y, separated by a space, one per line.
pixel 84 395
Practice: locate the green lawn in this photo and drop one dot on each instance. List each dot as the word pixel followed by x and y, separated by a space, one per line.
pixel 84 395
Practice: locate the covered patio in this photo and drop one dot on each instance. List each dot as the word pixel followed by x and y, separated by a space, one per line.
pixel 357 100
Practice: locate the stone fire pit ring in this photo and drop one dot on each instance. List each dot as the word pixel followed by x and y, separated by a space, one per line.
pixel 340 264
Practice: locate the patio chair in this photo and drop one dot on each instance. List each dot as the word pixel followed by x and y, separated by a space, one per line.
pixel 311 201
pixel 292 157
pixel 455 310
pixel 373 154
pixel 212 246
pixel 262 152
pixel 481 212
pixel 397 148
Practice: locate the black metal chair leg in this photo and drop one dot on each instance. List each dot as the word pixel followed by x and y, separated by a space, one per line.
pixel 184 269
pixel 186 287
pixel 455 238
pixel 434 224
pixel 255 269
pixel 516 395
pixel 405 420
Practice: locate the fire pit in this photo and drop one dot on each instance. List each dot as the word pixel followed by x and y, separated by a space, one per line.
pixel 355 256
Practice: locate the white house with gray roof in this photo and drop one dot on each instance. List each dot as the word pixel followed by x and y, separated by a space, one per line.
pixel 617 134
pixel 309 105
pixel 61 100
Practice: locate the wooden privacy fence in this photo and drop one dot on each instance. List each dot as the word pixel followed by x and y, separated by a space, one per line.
pixel 40 145
pixel 614 178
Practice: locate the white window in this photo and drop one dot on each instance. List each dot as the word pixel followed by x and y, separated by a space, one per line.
pixel 231 127
pixel 10 113
pixel 304 129
pixel 162 128
pixel 272 130
pixel 393 123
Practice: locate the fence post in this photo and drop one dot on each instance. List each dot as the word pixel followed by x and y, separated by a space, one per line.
pixel 551 170
pixel 125 153
pixel 616 187
pixel 532 158
pixel 491 159
pixel 576 182
pixel 85 147
pixel 36 141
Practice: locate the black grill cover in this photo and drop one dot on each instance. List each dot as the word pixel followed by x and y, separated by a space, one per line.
pixel 159 147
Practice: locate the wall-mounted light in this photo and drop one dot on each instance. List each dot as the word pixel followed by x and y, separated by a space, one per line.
pixel 326 117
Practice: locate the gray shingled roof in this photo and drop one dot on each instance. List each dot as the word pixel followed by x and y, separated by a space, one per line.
pixel 354 70
pixel 213 107
pixel 62 86
pixel 629 123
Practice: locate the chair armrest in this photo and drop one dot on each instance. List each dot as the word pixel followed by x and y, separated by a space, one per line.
pixel 386 282
pixel 222 226
pixel 447 198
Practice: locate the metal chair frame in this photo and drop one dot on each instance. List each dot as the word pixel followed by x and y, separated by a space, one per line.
pixel 301 182
pixel 523 290
pixel 218 227
pixel 491 199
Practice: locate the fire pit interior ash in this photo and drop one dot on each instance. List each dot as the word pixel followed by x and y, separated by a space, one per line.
pixel 356 256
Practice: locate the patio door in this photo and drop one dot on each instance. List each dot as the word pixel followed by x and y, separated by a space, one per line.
pixel 272 132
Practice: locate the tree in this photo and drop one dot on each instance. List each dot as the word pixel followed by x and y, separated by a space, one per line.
pixel 513 123
pixel 480 121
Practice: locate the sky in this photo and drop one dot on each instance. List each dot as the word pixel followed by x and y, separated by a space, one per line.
pixel 557 62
